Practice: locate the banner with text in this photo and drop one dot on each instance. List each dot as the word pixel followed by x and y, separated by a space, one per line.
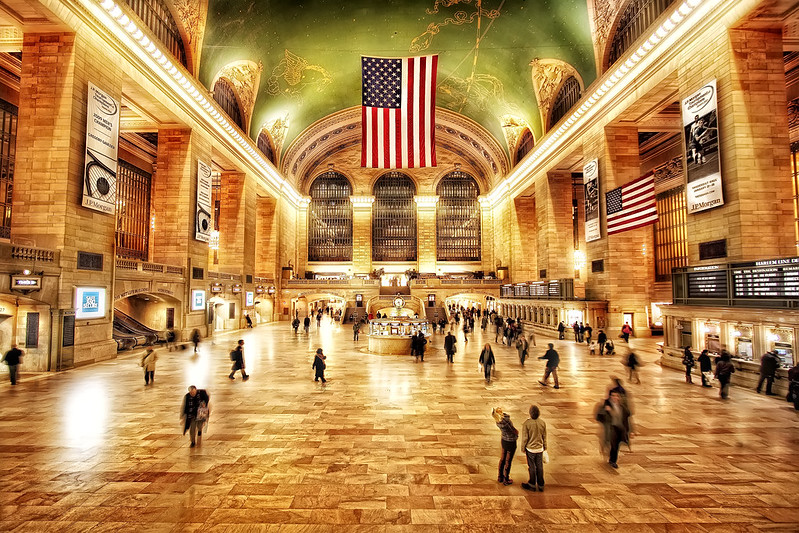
pixel 203 219
pixel 703 170
pixel 593 230
pixel 102 145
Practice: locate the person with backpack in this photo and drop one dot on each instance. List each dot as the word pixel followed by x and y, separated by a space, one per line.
pixel 319 366
pixel 148 364
pixel 724 372
pixel 553 360
pixel 237 356
pixel 688 363
pixel 194 413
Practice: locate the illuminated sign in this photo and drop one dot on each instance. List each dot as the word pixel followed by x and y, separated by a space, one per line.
pixel 249 298
pixel 89 302
pixel 237 288
pixel 359 297
pixel 28 283
pixel 216 288
pixel 197 300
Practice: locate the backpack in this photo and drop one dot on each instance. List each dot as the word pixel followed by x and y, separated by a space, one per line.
pixel 233 355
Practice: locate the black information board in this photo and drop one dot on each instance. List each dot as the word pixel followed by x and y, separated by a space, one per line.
pixel 766 279
pixel 707 284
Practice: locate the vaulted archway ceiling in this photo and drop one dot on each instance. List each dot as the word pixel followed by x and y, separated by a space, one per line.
pixel 310 51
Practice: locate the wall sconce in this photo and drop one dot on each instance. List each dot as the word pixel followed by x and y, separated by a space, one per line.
pixel 272 290
pixel 579 260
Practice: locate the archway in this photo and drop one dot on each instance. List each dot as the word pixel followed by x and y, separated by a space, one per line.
pixel 145 318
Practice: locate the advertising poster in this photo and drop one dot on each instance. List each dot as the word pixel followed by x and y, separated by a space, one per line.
pixel 703 169
pixel 250 298
pixel 197 300
pixel 593 230
pixel 89 302
pixel 102 144
pixel 203 219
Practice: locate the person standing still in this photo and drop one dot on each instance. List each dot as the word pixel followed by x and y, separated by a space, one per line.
pixel 589 331
pixel 705 367
pixel 449 346
pixel 195 339
pixel 319 366
pixel 769 363
pixel 553 360
pixel 534 444
pixel 237 356
pixel 521 347
pixel 13 358
pixel 487 360
pixel 688 363
pixel 148 364
pixel 420 345
pixel 508 444
pixel 561 330
pixel 356 329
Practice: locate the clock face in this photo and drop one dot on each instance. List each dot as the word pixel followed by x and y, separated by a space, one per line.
pixel 399 302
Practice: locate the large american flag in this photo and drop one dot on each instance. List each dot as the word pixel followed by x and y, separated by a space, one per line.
pixel 398 114
pixel 632 206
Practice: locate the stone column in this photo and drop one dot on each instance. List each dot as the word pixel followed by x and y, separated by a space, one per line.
pixel 426 233
pixel 237 222
pixel 48 180
pixel 301 250
pixel 486 235
pixel 553 209
pixel 626 282
pixel 362 234
pixel 524 249
pixel 754 146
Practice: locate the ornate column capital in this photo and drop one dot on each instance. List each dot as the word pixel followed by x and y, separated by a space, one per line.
pixel 426 202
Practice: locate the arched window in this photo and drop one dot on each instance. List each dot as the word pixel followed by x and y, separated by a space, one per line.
pixel 330 219
pixel 394 218
pixel 265 146
pixel 568 95
pixel 637 16
pixel 526 144
pixel 458 218
pixel 156 15
pixel 225 96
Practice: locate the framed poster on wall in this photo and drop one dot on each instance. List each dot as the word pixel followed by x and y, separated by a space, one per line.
pixel 702 161
pixel 89 302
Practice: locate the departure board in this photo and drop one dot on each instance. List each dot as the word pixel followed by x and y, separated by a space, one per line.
pixel 776 278
pixel 554 289
pixel 707 284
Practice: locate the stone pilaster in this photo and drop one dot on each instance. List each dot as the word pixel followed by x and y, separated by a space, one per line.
pixel 426 233
pixel 301 250
pixel 524 247
pixel 237 224
pixel 266 264
pixel 553 199
pixel 486 235
pixel 362 233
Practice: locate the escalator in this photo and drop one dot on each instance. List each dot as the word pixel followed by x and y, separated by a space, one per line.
pixel 129 332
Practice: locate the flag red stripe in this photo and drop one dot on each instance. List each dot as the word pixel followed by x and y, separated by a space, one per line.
pixel 363 136
pixel 400 142
pixel 411 88
pixel 432 123
pixel 374 137
pixel 386 160
pixel 641 225
pixel 422 92
pixel 632 217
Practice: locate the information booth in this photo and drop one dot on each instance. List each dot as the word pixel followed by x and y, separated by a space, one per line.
pixel 392 335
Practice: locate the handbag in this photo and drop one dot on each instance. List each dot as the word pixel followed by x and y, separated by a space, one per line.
pixel 545 456
pixel 202 412
pixel 709 377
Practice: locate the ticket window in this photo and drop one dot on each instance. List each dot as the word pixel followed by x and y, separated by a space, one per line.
pixel 685 333
pixel 742 342
pixel 712 337
pixel 780 341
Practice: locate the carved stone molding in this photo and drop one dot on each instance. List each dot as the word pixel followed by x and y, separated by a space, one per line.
pixel 513 127
pixel 604 15
pixel 192 16
pixel 548 77
pixel 245 76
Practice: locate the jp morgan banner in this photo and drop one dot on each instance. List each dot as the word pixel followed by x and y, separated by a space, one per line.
pixel 703 170
pixel 593 231
pixel 102 144
pixel 202 225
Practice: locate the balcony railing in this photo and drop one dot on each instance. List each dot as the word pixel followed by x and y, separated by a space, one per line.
pixel 27 253
pixel 151 268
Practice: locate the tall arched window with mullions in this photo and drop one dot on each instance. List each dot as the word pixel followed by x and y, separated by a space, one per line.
pixel 394 218
pixel 225 96
pixel 458 218
pixel 330 219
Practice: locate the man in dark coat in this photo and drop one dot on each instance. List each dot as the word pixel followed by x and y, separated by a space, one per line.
pixel 188 412
pixel 237 356
pixel 553 360
pixel 724 371
pixel 449 346
pixel 319 366
pixel 704 366
pixel 618 418
pixel 420 342
pixel 602 338
pixel 13 358
pixel 768 368
pixel 561 329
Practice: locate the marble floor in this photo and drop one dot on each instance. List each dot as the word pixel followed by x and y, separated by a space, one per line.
pixel 387 445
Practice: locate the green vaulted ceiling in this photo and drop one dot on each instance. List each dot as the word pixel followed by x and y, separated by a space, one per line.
pixel 311 51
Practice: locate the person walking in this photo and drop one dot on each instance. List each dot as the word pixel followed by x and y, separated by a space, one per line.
pixel 356 329
pixel 589 331
pixel 449 346
pixel 705 368
pixel 319 319
pixel 487 361
pixel 618 416
pixel 148 364
pixel 626 331
pixel 521 347
pixel 420 344
pixel 189 412
pixel 561 330
pixel 296 325
pixel 306 324
pixel 534 444
pixel 465 331
pixel 237 356
pixel 632 364
pixel 248 320
pixel 581 331
pixel 499 325
pixel 195 339
pixel 508 444
pixel 769 363
pixel 688 362
pixel 724 372
pixel 601 339
pixel 576 329
pixel 319 366
pixel 13 358
pixel 553 360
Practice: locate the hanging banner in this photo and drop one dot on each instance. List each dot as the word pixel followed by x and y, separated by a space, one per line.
pixel 102 144
pixel 703 170
pixel 593 231
pixel 203 219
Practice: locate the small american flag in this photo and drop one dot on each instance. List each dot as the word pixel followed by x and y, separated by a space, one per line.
pixel 632 206
pixel 398 114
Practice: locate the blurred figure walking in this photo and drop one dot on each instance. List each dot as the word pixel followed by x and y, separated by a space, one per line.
pixel 487 361
pixel 553 360
pixel 319 366
pixel 148 364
